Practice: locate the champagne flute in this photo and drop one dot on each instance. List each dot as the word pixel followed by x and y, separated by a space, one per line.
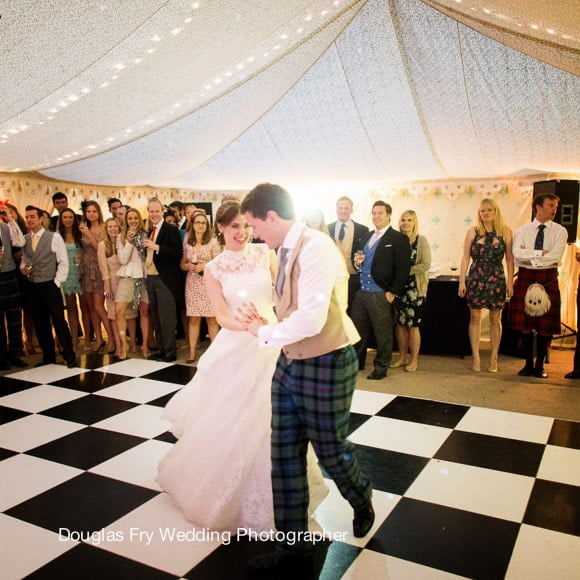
pixel 359 257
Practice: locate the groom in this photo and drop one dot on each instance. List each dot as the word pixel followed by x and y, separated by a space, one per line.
pixel 316 372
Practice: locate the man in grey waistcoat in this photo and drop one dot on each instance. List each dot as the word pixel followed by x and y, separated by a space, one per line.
pixel 45 263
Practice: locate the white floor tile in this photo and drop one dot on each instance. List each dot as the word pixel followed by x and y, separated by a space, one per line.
pixel 506 424
pixel 24 476
pixel 139 390
pixel 137 465
pixel 134 367
pixel 334 515
pixel 38 399
pixel 560 464
pixel 25 547
pixel 159 515
pixel 541 554
pixel 403 436
pixel 34 430
pixel 370 565
pixel 475 489
pixel 143 421
pixel 47 373
pixel 369 403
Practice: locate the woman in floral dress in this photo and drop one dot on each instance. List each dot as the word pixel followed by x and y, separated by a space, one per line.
pixel 414 294
pixel 486 285
pixel 199 247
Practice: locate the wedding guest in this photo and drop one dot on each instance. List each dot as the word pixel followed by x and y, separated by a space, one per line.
pixel 538 248
pixel 114 204
pixel 414 294
pixel 486 285
pixel 45 262
pixel 109 265
pixel 132 290
pixel 314 218
pixel 10 301
pixel 199 247
pixel 91 228
pixel 68 228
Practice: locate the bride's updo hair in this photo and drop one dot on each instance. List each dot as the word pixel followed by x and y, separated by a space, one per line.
pixel 227 212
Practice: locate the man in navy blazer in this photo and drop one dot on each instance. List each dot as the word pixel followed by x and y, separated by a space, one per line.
pixel 164 251
pixel 349 237
pixel 384 272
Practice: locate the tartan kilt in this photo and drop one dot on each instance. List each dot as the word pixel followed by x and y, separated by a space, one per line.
pixel 549 323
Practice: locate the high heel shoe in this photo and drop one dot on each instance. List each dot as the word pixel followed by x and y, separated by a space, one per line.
pixel 99 347
pixel 411 368
pixel 476 365
pixel 397 364
pixel 492 364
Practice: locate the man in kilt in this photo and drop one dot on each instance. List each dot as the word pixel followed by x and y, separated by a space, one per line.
pixel 538 248
pixel 316 372
pixel 10 305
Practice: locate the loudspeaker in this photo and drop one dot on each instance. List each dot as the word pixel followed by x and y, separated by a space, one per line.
pixel 568 191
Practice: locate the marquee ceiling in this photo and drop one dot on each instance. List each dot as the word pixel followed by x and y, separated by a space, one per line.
pixel 225 93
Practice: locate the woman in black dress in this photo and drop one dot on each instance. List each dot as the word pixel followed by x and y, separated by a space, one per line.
pixel 486 285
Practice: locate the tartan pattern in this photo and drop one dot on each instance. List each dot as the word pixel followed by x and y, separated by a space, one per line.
pixel 547 325
pixel 311 402
pixel 10 307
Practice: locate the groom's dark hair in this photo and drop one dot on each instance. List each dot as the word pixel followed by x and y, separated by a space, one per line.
pixel 268 197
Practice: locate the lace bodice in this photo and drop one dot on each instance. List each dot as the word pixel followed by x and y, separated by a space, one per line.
pixel 245 277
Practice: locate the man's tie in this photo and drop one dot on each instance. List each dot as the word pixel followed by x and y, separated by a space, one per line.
pixel 34 242
pixel 341 232
pixel 152 235
pixel 281 276
pixel 374 239
pixel 539 243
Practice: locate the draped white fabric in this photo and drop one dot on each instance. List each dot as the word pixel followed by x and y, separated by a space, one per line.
pixel 316 91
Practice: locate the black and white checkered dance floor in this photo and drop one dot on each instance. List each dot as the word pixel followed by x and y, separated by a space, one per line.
pixel 459 491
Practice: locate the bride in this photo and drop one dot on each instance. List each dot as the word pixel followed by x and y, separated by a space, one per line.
pixel 219 471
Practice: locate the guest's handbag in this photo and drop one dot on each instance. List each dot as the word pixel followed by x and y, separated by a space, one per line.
pixel 536 302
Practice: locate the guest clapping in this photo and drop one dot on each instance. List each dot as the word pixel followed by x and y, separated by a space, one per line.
pixel 486 285
pixel 199 247
pixel 414 294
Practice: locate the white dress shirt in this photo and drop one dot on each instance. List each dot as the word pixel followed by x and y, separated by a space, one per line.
pixel 322 270
pixel 555 238
pixel 59 249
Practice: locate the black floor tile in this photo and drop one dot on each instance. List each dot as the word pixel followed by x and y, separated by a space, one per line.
pixel 565 434
pixel 91 381
pixel 424 411
pixel 85 503
pixel 6 453
pixel 231 562
pixel 9 386
pixel 7 414
pixel 91 563
pixel 162 401
pixel 388 471
pixel 355 421
pixel 95 360
pixel 448 539
pixel 90 409
pixel 179 374
pixel 168 437
pixel 498 453
pixel 86 448
pixel 555 506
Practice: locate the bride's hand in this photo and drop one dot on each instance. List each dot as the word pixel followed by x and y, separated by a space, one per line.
pixel 247 313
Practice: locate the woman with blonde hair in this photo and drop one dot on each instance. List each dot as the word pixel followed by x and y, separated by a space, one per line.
pixel 132 291
pixel 486 285
pixel 314 218
pixel 199 247
pixel 414 294
pixel 91 228
pixel 109 265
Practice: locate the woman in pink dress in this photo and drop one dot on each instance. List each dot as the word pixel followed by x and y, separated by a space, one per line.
pixel 199 247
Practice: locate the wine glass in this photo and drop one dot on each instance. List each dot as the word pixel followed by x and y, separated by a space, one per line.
pixel 359 257
pixel 453 266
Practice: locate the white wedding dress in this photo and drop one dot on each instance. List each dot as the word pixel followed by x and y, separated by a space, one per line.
pixel 219 470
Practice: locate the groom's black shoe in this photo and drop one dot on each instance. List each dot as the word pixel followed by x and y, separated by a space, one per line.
pixel 299 563
pixel 363 521
pixel 377 375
